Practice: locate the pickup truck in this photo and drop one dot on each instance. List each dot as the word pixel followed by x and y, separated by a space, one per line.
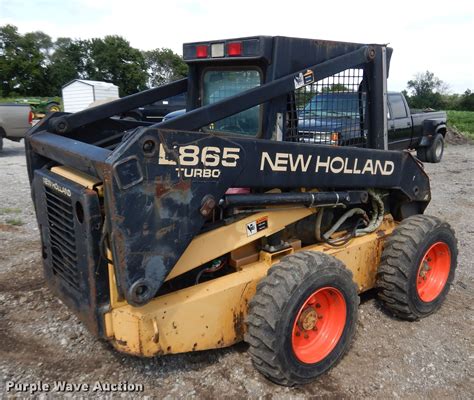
pixel 156 111
pixel 327 114
pixel 15 120
pixel 334 118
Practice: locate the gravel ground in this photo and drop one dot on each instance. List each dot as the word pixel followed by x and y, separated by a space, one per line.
pixel 40 340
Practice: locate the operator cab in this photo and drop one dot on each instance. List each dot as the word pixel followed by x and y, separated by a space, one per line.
pixel 329 111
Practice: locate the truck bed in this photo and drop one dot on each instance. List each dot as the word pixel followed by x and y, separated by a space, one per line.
pixel 14 120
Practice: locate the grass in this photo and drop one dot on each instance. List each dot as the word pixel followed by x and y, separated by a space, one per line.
pixel 7 99
pixel 463 121
pixel 14 221
pixel 4 211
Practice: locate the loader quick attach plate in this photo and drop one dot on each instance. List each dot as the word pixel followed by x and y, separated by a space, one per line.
pixel 161 179
pixel 70 224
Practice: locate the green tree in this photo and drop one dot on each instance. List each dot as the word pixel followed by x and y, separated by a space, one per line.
pixel 164 66
pixel 23 62
pixel 112 59
pixel 466 102
pixel 67 62
pixel 336 87
pixel 427 91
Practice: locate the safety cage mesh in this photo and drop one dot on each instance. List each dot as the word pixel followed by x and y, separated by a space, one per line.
pixel 331 111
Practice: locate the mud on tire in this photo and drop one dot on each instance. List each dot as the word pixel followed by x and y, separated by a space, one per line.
pixel 420 247
pixel 276 311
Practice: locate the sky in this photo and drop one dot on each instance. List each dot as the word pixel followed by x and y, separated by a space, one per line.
pixel 426 35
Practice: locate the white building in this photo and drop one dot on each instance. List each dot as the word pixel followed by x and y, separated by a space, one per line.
pixel 80 94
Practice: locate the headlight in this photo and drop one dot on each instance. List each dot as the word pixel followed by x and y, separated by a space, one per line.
pixel 320 137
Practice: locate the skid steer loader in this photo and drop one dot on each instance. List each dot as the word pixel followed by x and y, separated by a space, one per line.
pixel 260 214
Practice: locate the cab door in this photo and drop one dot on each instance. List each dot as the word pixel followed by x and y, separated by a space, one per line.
pixel 399 123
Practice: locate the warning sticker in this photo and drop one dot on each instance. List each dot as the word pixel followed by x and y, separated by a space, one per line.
pixel 304 79
pixel 308 77
pixel 257 226
pixel 299 80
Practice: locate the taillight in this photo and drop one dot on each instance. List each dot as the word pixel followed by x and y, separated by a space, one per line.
pixel 234 49
pixel 30 117
pixel 201 51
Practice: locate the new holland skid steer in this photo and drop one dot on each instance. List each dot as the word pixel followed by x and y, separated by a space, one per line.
pixel 260 214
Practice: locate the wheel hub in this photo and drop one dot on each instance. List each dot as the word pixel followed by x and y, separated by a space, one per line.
pixel 319 325
pixel 308 319
pixel 433 272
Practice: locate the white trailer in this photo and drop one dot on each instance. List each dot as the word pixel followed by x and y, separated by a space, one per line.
pixel 80 94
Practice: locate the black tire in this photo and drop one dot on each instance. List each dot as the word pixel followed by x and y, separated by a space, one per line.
pixel 279 299
pixel 435 152
pixel 400 271
pixel 421 153
pixel 1 144
pixel 53 107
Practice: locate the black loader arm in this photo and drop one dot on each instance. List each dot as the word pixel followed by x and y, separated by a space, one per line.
pixel 160 179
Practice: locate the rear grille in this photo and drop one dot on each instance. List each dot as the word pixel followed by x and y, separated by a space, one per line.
pixel 62 237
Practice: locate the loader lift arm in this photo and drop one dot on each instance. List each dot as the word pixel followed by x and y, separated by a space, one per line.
pixel 158 178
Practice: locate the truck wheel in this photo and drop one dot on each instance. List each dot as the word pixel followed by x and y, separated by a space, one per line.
pixel 302 318
pixel 434 153
pixel 421 153
pixel 417 267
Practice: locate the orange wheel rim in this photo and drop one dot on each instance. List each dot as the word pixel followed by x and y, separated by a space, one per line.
pixel 433 272
pixel 319 325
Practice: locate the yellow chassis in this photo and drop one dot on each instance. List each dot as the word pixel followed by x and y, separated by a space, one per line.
pixel 212 314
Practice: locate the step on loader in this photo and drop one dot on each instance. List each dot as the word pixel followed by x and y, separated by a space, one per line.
pixel 249 217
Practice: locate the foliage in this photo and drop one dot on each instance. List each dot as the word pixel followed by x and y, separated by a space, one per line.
pixel 164 66
pixel 466 102
pixel 335 87
pixel 463 121
pixel 68 62
pixel 32 64
pixel 14 221
pixel 427 91
pixel 22 62
pixel 112 59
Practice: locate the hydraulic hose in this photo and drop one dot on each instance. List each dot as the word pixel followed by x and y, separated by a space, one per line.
pixel 342 219
pixel 377 216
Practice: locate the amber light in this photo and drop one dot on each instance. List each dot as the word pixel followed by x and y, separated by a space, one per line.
pixel 335 137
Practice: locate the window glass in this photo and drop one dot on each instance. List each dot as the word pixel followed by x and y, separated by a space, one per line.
pixel 220 84
pixel 397 106
pixel 334 105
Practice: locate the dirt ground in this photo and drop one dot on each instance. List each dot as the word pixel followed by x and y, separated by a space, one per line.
pixel 40 340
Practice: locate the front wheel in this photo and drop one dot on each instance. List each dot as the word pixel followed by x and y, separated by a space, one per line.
pixel 417 267
pixel 302 318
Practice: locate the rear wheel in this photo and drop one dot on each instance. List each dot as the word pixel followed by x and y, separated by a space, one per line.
pixel 417 267
pixel 435 152
pixel 302 318
pixel 421 153
pixel 53 107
